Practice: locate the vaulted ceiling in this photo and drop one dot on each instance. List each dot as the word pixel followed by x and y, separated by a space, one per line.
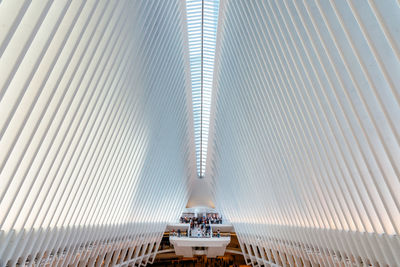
pixel 98 148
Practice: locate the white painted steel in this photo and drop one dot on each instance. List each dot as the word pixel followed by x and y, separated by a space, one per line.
pixel 97 147
pixel 213 247
pixel 304 138
pixel 202 69
pixel 96 128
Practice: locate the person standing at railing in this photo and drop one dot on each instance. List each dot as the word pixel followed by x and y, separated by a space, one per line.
pixel 218 233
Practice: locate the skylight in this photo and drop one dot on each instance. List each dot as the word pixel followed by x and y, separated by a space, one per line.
pixel 202 16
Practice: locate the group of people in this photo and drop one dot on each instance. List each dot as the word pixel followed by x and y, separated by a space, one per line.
pixel 200 226
pixel 210 219
pixel 200 231
pixel 203 231
pixel 178 233
pixel 196 231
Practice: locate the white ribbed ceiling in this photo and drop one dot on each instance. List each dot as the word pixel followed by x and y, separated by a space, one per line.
pixel 96 129
pixel 304 151
pixel 101 140
pixel 202 18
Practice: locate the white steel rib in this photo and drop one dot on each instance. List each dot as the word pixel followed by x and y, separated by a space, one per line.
pixel 99 134
pixel 96 129
pixel 304 148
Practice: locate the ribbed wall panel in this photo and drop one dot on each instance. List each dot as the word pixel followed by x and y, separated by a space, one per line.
pixel 96 128
pixel 304 149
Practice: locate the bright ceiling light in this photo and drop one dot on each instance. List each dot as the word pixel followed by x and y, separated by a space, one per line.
pixel 202 17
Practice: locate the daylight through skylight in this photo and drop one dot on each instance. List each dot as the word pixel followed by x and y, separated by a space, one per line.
pixel 202 16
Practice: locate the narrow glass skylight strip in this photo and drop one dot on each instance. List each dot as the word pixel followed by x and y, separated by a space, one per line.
pixel 202 16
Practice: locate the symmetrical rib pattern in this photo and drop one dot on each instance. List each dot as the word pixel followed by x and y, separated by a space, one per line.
pixel 304 151
pixel 202 18
pixel 96 129
pixel 97 145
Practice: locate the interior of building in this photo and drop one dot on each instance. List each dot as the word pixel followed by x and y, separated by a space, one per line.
pixel 218 133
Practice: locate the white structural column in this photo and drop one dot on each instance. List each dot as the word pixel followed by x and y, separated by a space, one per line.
pixel 96 129
pixel 304 150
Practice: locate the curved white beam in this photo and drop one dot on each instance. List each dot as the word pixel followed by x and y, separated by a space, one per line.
pixel 96 130
pixel 304 152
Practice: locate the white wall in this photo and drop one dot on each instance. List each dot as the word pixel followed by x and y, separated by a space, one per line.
pixel 305 144
pixel 96 126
